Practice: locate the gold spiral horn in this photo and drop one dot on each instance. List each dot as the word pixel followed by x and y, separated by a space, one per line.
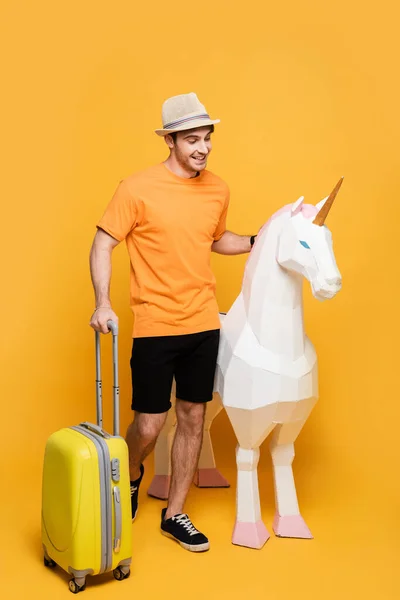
pixel 323 213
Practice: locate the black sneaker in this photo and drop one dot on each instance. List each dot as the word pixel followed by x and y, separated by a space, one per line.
pixel 135 493
pixel 181 529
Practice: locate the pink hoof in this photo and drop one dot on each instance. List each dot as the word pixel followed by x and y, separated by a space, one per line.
pixel 292 526
pixel 251 535
pixel 210 478
pixel 159 487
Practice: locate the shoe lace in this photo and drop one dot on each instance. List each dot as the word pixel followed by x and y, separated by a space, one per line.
pixel 186 524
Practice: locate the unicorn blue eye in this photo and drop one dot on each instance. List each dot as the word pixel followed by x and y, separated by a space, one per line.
pixel 305 245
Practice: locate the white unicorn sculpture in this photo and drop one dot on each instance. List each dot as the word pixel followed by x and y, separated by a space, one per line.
pixel 267 368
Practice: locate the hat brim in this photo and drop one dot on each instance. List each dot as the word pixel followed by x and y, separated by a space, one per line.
pixel 195 124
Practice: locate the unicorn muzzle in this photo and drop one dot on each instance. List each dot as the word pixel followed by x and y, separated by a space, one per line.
pixel 327 288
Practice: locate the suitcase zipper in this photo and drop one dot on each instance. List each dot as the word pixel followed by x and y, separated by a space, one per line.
pixel 105 496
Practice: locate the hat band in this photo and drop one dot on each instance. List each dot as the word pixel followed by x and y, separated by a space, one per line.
pixel 174 124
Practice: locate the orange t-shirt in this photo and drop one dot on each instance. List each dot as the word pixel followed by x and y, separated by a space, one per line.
pixel 169 224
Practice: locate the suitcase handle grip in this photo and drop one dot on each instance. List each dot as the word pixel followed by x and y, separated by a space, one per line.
pixel 95 428
pixel 113 327
pixel 118 519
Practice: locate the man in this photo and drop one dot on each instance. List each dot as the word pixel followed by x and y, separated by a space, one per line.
pixel 172 215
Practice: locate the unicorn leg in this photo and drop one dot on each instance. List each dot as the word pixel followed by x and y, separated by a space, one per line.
pixel 207 474
pixel 249 529
pixel 287 522
pixel 159 487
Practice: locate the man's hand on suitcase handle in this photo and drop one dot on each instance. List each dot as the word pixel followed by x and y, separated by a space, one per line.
pixel 101 316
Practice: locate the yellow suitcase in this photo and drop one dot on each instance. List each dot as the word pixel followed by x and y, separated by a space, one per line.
pixel 86 508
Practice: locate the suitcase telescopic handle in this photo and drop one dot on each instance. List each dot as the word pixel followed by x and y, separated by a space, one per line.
pixel 113 327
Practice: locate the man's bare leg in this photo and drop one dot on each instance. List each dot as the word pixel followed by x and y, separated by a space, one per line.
pixel 185 453
pixel 141 438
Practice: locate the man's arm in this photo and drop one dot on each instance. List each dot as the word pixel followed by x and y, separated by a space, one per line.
pixel 232 243
pixel 100 271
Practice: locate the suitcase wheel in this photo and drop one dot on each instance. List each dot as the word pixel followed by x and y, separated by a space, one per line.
pixel 75 588
pixel 49 563
pixel 119 574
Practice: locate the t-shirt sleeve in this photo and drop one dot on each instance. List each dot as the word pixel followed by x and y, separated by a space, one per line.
pixel 221 227
pixel 120 215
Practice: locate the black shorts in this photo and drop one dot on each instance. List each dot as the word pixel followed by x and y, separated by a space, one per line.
pixel 155 361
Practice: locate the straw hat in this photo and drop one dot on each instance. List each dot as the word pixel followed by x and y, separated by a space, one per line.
pixel 183 112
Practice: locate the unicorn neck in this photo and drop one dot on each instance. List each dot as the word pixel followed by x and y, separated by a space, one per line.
pixel 273 300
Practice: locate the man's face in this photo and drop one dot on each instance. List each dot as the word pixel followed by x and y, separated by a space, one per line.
pixel 191 148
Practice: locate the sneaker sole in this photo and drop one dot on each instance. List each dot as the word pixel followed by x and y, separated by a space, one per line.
pixel 190 547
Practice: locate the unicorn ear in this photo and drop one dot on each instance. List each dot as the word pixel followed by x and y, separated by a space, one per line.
pixel 296 206
pixel 320 204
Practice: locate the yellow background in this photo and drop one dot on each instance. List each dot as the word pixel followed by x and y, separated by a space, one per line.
pixel 306 92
